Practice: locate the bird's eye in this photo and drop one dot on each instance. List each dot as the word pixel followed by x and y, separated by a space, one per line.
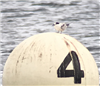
pixel 57 22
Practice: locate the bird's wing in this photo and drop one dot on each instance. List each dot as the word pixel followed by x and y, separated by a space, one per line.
pixel 62 26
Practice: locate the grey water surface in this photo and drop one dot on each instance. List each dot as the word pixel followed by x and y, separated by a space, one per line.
pixel 21 19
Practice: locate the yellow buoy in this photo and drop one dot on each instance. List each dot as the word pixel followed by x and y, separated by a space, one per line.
pixel 50 59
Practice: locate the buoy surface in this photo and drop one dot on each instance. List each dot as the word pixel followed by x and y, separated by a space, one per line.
pixel 50 59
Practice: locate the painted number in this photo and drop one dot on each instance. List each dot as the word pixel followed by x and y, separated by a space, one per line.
pixel 77 73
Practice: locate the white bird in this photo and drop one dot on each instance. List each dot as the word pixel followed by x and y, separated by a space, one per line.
pixel 60 26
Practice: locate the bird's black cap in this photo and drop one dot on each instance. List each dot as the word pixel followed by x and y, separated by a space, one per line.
pixel 57 22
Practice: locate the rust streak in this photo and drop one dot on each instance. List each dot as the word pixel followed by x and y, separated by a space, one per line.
pixel 51 55
pixel 49 71
pixel 16 65
pixel 75 48
pixel 31 58
pixel 73 45
pixel 40 55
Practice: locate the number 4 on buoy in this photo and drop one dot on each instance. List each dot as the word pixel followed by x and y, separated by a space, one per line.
pixel 77 73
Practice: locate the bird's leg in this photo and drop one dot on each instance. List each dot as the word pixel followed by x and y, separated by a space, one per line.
pixel 61 32
pixel 57 31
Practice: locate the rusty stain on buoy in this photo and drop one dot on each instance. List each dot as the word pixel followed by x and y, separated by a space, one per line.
pixel 50 59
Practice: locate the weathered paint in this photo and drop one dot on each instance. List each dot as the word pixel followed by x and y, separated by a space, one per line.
pixel 35 61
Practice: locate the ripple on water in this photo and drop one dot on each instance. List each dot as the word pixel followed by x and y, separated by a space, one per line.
pixel 22 19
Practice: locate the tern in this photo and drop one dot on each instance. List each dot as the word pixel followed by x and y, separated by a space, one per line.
pixel 60 26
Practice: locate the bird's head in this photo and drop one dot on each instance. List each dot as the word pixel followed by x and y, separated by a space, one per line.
pixel 55 23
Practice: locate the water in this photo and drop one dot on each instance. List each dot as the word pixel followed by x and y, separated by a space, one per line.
pixel 24 18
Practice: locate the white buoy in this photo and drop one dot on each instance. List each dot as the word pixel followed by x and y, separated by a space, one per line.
pixel 50 59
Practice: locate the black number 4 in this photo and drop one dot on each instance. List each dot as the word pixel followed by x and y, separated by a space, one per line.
pixel 77 73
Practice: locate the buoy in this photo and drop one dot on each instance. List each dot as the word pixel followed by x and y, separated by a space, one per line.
pixel 50 59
